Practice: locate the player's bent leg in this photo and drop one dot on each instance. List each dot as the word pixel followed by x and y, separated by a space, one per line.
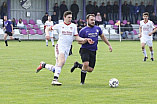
pixel 61 60
pixel 42 65
pixel 11 38
pixel 90 69
pixel 5 39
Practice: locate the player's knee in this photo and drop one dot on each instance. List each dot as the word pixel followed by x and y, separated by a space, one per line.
pixel 90 69
pixel 85 64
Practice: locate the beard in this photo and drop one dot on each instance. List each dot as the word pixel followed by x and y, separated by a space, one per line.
pixel 90 25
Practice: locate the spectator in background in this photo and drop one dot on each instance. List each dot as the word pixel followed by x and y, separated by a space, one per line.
pixel 98 19
pixel 21 25
pixel 137 11
pixel 115 11
pixel 89 8
pixel 54 18
pixel 14 23
pixel 80 24
pixel 153 18
pixel 149 9
pixel 95 8
pixel 75 9
pixel 45 18
pixel 122 30
pixel 129 29
pixel 102 9
pixel 131 12
pixel 142 10
pixel 3 10
pixel 125 10
pixel 109 10
pixel 105 20
pixel 63 8
pixel 56 9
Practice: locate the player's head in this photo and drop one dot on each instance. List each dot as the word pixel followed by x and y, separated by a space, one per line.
pixel 145 15
pixel 90 20
pixel 5 18
pixel 67 17
pixel 49 18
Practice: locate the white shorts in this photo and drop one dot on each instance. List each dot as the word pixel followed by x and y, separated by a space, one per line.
pixel 60 48
pixel 51 33
pixel 146 41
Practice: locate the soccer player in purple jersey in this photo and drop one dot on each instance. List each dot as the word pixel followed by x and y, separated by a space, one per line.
pixel 9 30
pixel 88 51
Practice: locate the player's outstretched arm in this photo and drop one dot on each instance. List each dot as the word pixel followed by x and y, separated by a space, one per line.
pixel 47 36
pixel 106 41
pixel 83 40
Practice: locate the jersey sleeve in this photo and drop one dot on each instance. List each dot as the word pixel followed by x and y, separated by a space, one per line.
pixel 140 23
pixel 100 31
pixel 75 33
pixel 81 33
pixel 55 27
pixel 9 23
pixel 45 23
pixel 152 25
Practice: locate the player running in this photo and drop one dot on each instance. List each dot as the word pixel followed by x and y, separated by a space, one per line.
pixel 49 23
pixel 66 32
pixel 9 30
pixel 146 31
pixel 88 51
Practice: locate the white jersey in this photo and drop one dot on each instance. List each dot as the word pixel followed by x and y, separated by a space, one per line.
pixel 49 23
pixel 147 27
pixel 66 33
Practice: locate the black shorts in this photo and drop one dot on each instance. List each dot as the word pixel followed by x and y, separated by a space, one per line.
pixel 9 33
pixel 87 55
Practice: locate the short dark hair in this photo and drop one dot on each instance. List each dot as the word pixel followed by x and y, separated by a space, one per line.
pixel 146 13
pixel 67 13
pixel 87 17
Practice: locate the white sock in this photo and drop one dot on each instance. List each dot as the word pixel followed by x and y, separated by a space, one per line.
pixel 57 71
pixel 144 52
pixel 52 41
pixel 151 53
pixel 46 42
pixel 50 67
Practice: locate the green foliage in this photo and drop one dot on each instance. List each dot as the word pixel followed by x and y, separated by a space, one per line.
pixel 19 84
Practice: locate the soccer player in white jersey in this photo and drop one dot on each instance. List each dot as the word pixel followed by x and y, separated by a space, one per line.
pixel 66 32
pixel 49 23
pixel 146 31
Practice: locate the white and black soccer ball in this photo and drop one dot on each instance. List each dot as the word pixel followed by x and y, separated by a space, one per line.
pixel 113 82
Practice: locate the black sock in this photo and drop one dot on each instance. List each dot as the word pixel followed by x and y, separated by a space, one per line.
pixel 43 65
pixel 80 65
pixel 55 77
pixel 16 38
pixel 6 43
pixel 83 76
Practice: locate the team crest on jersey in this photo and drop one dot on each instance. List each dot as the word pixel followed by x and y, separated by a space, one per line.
pixel 71 28
pixel 25 3
pixel 97 30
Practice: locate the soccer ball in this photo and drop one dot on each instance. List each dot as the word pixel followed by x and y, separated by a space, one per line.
pixel 113 82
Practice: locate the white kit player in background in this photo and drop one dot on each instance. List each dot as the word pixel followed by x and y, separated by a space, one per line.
pixel 49 23
pixel 146 31
pixel 66 31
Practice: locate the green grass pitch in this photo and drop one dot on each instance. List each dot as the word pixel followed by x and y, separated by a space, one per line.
pixel 19 84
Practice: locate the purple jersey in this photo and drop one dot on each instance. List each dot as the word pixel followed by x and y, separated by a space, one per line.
pixel 7 25
pixel 93 33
